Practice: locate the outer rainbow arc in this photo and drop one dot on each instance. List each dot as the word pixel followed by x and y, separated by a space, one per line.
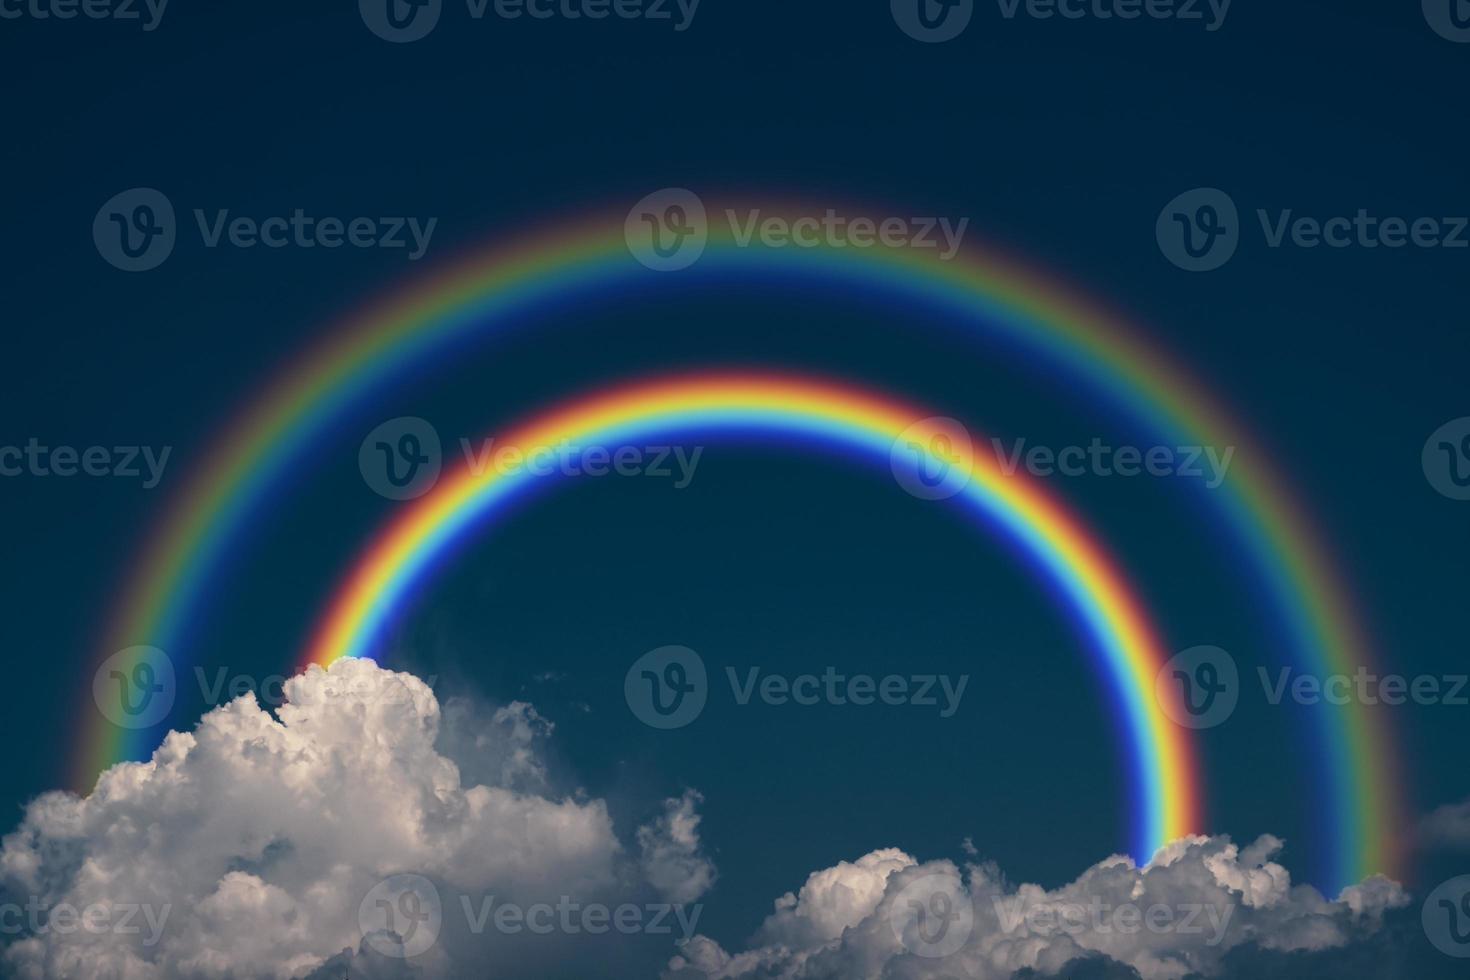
pixel 991 291
pixel 402 556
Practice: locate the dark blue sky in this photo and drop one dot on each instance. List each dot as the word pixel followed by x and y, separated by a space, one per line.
pixel 1059 140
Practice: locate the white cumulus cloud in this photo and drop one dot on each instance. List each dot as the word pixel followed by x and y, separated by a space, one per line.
pixel 245 848
pixel 1447 828
pixel 887 915
pixel 672 859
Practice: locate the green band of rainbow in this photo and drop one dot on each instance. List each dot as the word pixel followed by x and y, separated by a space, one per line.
pixel 994 295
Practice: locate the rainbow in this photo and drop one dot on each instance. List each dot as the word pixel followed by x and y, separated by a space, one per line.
pixel 982 291
pixel 397 561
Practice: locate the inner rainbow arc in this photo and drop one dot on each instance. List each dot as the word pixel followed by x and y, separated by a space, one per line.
pixel 1163 763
